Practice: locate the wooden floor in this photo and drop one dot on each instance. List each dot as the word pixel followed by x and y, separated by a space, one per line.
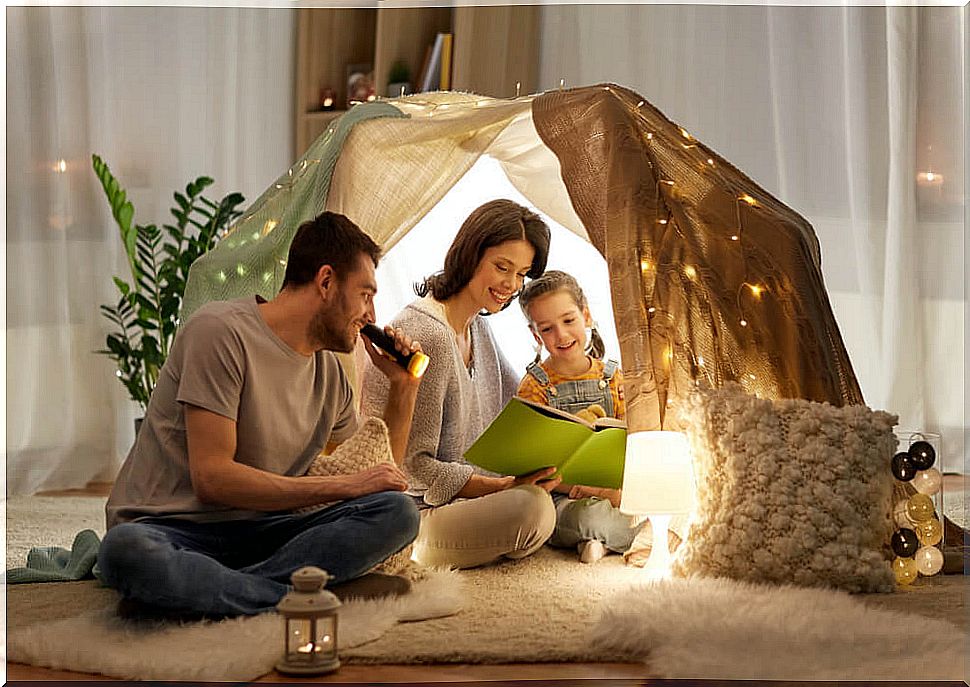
pixel 619 674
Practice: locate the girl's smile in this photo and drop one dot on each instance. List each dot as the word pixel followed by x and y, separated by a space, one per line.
pixel 559 324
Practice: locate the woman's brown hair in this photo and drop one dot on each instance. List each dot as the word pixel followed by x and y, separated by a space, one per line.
pixel 491 224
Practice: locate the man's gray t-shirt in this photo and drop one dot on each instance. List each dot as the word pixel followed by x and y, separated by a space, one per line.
pixel 226 359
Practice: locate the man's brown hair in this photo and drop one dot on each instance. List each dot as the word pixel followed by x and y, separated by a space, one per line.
pixel 327 239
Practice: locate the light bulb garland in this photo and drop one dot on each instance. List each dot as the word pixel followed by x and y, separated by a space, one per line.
pixel 666 189
pixel 919 530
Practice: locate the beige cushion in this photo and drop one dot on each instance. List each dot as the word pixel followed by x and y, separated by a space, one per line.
pixel 789 491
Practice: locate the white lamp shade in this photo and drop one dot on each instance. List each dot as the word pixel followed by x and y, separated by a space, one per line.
pixel 658 477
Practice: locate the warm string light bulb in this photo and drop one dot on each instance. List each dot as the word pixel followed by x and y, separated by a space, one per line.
pixel 930 532
pixel 929 560
pixel 905 570
pixel 928 481
pixel 919 508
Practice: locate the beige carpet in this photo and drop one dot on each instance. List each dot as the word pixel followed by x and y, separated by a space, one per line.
pixel 544 608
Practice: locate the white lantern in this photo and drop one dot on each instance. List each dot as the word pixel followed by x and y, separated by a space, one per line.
pixel 310 625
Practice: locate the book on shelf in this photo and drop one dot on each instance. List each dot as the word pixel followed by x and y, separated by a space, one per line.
pixel 444 83
pixel 438 68
pixel 423 72
pixel 528 436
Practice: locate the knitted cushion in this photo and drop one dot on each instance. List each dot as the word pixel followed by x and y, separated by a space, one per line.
pixel 789 491
pixel 368 447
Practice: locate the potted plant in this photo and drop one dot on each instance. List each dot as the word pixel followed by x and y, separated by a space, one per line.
pixel 398 79
pixel 146 315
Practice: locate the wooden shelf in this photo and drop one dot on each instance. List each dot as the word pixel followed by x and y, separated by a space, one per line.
pixel 323 115
pixel 493 49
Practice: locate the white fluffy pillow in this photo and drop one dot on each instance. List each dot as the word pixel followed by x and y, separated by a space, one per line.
pixel 789 491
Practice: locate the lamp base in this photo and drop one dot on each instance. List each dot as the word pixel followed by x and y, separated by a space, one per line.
pixel 658 564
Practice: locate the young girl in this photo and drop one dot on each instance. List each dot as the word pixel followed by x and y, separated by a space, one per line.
pixel 572 378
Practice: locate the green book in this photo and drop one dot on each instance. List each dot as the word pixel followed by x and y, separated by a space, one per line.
pixel 527 436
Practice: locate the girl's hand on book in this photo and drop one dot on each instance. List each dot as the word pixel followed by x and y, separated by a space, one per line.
pixel 539 478
pixel 580 491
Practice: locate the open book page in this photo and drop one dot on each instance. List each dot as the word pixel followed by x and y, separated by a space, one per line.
pixel 526 437
pixel 549 411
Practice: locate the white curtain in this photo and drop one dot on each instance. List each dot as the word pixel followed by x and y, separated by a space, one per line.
pixel 164 95
pixel 835 111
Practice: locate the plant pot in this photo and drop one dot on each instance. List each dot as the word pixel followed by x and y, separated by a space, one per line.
pixel 398 88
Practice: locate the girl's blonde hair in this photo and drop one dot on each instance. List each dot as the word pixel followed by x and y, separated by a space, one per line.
pixel 552 281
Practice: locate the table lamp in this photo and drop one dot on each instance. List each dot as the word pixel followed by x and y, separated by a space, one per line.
pixel 658 482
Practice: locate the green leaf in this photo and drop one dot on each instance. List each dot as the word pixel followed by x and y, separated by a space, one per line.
pixel 146 324
pixel 122 285
pixel 125 214
pixel 116 346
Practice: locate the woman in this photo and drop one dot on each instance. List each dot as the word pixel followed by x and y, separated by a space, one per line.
pixel 470 517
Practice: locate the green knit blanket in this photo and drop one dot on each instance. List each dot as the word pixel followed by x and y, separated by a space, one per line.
pixel 57 564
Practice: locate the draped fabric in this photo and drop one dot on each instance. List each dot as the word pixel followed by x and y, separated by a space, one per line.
pixel 712 278
pixel 164 95
pixel 841 112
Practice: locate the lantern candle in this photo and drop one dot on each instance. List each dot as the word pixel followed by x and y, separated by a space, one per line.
pixel 310 618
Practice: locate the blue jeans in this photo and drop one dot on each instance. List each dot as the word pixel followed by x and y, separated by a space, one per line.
pixel 243 567
pixel 579 520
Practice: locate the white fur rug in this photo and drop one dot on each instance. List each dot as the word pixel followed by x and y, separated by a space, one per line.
pixel 543 608
pixel 238 649
pixel 707 628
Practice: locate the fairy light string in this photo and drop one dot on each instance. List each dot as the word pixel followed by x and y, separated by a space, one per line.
pixel 749 292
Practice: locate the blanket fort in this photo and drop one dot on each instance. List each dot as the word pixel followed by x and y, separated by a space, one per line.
pixel 712 279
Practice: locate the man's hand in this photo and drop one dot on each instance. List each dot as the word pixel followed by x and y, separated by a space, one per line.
pixel 387 365
pixel 403 392
pixel 383 477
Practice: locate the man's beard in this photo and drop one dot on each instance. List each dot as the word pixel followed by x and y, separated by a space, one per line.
pixel 330 330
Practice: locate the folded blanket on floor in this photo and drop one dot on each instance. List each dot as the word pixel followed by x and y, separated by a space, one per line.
pixel 56 564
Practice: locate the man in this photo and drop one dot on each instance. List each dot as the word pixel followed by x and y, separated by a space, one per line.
pixel 199 519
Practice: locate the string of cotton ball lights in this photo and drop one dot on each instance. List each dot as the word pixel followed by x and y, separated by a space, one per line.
pixel 919 528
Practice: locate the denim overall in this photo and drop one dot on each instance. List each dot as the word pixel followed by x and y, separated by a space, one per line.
pixel 578 394
pixel 578 520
